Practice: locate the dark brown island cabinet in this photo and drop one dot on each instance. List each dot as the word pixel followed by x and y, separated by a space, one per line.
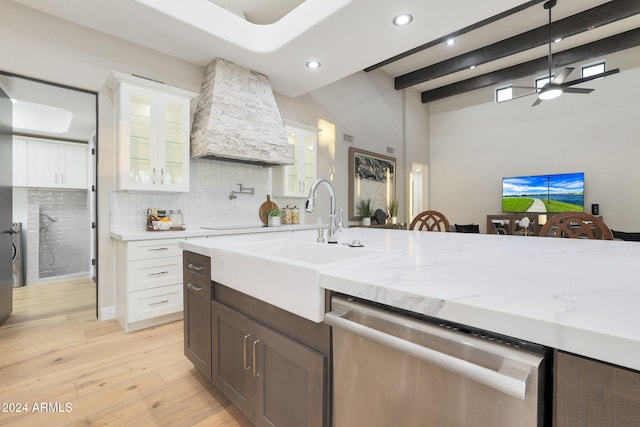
pixel 273 365
pixel 589 393
pixel 197 310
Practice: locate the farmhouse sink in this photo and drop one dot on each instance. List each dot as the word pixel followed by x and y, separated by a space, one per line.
pixel 283 272
pixel 305 252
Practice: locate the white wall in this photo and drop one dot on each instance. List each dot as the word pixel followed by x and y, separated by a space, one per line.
pixel 474 142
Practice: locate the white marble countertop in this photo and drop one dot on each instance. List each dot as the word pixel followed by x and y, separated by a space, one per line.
pixel 580 296
pixel 223 230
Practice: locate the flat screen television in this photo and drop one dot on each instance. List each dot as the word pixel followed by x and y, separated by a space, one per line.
pixel 561 192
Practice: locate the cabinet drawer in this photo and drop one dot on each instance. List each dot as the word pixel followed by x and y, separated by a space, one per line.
pixel 154 302
pixel 197 288
pixel 197 265
pixel 149 249
pixel 154 273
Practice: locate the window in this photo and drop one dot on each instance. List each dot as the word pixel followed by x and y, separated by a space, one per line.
pixel 504 94
pixel 590 70
pixel 543 81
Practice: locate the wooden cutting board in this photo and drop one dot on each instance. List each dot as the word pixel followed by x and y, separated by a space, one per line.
pixel 265 208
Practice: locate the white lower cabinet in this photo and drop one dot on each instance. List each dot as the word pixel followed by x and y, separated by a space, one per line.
pixel 148 283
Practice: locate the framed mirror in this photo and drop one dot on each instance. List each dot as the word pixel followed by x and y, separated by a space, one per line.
pixel 371 177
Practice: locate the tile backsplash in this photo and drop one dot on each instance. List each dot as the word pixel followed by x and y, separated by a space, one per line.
pixel 207 203
pixel 58 234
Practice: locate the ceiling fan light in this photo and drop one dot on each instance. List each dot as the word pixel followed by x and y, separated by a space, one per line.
pixel 550 93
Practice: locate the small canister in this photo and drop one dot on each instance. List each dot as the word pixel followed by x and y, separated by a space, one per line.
pixel 176 219
pixel 286 215
pixel 295 215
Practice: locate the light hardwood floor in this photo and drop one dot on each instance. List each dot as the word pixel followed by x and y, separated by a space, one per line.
pixel 67 369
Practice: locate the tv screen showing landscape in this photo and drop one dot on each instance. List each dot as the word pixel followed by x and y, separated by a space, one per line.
pixel 543 193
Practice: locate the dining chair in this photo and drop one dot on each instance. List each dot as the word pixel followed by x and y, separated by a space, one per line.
pixel 580 225
pixel 430 220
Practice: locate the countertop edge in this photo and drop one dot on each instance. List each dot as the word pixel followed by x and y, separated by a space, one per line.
pixel 206 232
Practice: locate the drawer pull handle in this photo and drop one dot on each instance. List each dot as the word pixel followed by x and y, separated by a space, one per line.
pixel 195 267
pixel 158 249
pixel 194 287
pixel 164 301
pixel 160 273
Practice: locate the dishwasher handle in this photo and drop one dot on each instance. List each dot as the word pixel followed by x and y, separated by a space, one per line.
pixel 515 387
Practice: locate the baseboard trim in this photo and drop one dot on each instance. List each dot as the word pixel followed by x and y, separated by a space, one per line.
pixel 107 313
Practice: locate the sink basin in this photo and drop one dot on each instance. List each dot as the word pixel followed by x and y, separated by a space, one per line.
pixel 283 272
pixel 305 252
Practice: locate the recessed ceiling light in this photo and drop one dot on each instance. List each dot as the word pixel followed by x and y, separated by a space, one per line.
pixel 402 19
pixel 313 64
pixel 450 42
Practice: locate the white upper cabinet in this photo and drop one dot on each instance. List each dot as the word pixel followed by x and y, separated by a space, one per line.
pixel 295 180
pixel 53 164
pixel 152 125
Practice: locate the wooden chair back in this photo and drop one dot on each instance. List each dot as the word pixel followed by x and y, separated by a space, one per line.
pixel 576 225
pixel 430 220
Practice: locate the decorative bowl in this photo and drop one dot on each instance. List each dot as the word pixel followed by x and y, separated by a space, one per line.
pixel 162 225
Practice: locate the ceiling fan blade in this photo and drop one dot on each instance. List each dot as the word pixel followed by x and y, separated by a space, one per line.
pixel 538 101
pixel 576 90
pixel 593 77
pixel 523 95
pixel 563 75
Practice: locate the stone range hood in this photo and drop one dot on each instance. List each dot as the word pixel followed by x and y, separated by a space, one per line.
pixel 237 118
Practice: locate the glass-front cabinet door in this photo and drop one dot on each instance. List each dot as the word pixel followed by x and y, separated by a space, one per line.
pixel 295 180
pixel 174 137
pixel 137 107
pixel 153 125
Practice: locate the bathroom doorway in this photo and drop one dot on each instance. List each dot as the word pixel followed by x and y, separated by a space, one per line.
pixel 54 178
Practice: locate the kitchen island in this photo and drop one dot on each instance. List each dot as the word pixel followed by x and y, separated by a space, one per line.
pixel 580 296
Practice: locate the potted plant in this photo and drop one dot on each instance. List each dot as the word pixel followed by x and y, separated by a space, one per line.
pixel 393 212
pixel 274 218
pixel 364 207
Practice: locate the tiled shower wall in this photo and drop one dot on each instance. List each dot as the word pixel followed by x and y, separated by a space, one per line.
pixel 207 203
pixel 59 234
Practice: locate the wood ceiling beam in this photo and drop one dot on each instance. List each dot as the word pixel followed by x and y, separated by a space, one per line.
pixel 575 24
pixel 602 47
pixel 456 34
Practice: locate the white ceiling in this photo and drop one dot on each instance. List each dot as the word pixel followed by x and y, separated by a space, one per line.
pixel 81 105
pixel 278 37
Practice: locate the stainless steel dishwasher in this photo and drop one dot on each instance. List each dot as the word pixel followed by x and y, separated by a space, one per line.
pixel 391 369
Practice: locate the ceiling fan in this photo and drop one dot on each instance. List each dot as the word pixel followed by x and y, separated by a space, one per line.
pixel 557 86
